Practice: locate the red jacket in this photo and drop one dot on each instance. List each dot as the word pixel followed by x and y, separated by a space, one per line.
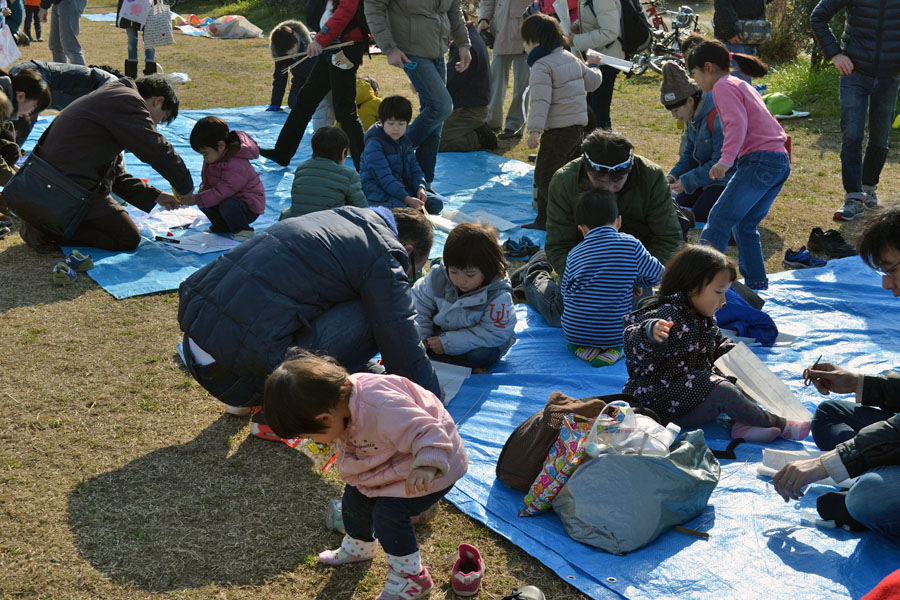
pixel 335 27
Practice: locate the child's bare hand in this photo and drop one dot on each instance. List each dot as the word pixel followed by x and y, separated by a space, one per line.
pixel 718 171
pixel 533 140
pixel 420 479
pixel 413 202
pixel 661 330
pixel 421 195
pixel 434 344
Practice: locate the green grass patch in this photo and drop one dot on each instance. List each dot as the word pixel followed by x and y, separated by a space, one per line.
pixel 814 90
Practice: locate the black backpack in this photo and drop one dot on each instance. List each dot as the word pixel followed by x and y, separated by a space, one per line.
pixel 635 28
pixel 316 8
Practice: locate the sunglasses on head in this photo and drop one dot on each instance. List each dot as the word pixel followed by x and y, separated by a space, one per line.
pixel 615 171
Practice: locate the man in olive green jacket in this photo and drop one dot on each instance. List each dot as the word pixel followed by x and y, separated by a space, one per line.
pixel 645 204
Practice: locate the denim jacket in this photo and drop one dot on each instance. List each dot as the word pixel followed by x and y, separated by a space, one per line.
pixel 701 149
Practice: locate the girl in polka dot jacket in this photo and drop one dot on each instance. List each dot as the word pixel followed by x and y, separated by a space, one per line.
pixel 672 341
pixel 398 453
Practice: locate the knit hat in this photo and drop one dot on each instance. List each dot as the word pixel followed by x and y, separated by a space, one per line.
pixel 676 87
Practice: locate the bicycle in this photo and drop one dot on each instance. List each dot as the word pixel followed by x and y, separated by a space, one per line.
pixel 665 46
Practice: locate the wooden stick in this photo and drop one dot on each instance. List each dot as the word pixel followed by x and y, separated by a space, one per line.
pixel 287 69
pixel 299 54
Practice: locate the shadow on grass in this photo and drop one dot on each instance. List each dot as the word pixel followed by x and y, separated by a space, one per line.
pixel 27 277
pixel 196 514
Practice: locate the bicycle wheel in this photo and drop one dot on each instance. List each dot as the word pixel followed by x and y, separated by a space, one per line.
pixel 658 62
pixel 639 62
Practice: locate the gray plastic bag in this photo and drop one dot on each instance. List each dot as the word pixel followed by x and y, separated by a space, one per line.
pixel 621 502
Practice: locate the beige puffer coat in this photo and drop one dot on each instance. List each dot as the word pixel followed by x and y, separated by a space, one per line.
pixel 557 84
pixel 600 28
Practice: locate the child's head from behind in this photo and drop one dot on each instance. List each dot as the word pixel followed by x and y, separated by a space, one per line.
pixel 541 30
pixel 307 396
pixel 371 81
pixel 702 274
pixel 395 113
pixel 596 209
pixel 330 142
pixel 283 41
pixel 472 256
pixel 211 138
pixel 710 60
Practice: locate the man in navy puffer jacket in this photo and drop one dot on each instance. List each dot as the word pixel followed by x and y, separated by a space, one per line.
pixel 334 281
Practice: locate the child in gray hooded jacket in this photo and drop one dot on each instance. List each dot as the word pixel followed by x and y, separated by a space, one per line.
pixel 464 305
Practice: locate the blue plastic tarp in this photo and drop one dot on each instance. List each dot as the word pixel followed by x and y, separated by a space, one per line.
pixel 757 546
pixel 470 181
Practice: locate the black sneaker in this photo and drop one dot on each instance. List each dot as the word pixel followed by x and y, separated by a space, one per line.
pixel 830 242
pixel 509 134
pixel 832 506
pixel 274 156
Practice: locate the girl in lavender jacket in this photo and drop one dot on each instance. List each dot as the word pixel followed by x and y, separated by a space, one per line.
pixel 231 194
pixel 398 453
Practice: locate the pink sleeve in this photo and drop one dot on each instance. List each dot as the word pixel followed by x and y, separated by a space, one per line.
pixel 727 99
pixel 416 431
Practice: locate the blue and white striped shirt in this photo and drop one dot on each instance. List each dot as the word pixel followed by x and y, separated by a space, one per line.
pixel 598 284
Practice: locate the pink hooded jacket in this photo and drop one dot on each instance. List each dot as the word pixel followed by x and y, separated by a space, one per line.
pixel 233 177
pixel 397 425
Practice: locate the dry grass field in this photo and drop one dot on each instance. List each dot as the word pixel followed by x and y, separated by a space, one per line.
pixel 120 478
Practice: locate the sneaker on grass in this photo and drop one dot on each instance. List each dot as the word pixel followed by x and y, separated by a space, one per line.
pixel 870 202
pixel 830 243
pixel 852 209
pixel 801 259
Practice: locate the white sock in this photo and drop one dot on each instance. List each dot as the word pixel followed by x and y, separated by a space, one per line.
pixel 411 564
pixel 351 550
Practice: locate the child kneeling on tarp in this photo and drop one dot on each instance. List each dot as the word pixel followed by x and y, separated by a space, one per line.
pixel 672 341
pixel 602 275
pixel 464 307
pixel 398 452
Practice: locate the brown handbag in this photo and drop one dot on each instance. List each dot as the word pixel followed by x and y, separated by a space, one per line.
pixel 526 448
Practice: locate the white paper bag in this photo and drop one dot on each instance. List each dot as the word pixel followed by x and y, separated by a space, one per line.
pixel 9 52
pixel 134 10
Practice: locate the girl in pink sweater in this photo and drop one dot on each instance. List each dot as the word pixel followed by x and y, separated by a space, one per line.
pixel 398 453
pixel 231 194
pixel 754 144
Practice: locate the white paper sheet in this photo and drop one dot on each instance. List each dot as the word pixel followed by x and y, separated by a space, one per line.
pixel 202 243
pixel 451 378
pixel 619 63
pixel 773 460
pixel 451 218
pixel 761 384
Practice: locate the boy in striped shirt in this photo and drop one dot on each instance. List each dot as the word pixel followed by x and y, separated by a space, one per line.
pixel 602 275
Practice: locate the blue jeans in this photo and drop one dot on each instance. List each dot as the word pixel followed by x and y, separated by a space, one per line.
pixel 64 29
pixel 385 518
pixel 429 77
pixel 433 204
pixel 149 53
pixel 874 500
pixel 861 95
pixel 745 202
pixel 230 216
pixel 479 358
pixel 740 49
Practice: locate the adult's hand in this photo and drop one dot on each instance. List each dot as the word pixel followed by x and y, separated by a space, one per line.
pixel 421 194
pixel 314 49
pixel 413 202
pixel 434 344
pixel 843 64
pixel 483 24
pixel 533 139
pixel 465 59
pixel 831 378
pixel 396 58
pixel 793 477
pixel 677 187
pixel 737 39
pixel 167 201
pixel 42 15
pixel 187 200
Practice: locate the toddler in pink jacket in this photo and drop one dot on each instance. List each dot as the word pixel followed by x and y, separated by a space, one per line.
pixel 398 453
pixel 231 193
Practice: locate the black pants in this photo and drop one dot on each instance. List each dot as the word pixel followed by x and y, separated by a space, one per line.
pixel 601 99
pixel 342 83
